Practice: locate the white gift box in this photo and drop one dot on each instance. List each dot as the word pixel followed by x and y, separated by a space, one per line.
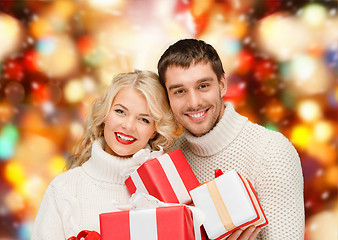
pixel 229 203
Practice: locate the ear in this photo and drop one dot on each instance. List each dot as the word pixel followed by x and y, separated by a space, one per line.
pixel 154 135
pixel 223 85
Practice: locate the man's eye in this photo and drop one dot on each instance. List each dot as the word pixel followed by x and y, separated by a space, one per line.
pixel 179 91
pixel 203 86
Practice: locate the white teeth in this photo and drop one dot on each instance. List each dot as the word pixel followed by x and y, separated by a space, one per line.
pixel 197 115
pixel 124 138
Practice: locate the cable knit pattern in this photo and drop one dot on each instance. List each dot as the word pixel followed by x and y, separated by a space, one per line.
pixel 265 157
pixel 74 199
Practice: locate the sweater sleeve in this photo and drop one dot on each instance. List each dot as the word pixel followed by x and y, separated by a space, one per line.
pixel 47 224
pixel 281 190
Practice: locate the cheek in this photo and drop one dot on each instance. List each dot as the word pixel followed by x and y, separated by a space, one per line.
pixel 176 105
pixel 149 132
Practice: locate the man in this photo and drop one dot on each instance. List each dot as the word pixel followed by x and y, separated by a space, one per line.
pixel 216 136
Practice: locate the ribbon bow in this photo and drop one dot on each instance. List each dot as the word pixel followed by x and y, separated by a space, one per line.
pixel 86 235
pixel 141 157
pixel 142 200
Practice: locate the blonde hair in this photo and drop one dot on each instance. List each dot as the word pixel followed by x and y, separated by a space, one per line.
pixel 148 84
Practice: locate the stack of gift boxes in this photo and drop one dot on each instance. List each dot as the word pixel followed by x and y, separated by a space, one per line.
pixel 228 203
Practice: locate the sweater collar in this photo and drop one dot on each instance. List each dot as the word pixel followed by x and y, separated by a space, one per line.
pixel 106 167
pixel 225 131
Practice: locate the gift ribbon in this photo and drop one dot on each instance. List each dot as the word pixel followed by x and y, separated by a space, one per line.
pixel 86 235
pixel 174 178
pixel 138 182
pixel 141 201
pixel 139 231
pixel 141 157
pixel 220 206
pixel 172 175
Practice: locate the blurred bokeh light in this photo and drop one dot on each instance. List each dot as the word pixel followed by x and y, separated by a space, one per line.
pixel 56 57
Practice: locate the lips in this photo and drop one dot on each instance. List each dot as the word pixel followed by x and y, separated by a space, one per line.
pixel 197 116
pixel 124 139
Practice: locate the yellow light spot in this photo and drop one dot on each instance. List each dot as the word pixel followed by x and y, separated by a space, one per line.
pixel 76 130
pixel 309 110
pixel 322 151
pixel 14 201
pixel 74 91
pixel 314 14
pixel 15 174
pixel 41 28
pixel 11 33
pixel 301 135
pixel 106 4
pixel 33 188
pixel 323 131
pixel 64 8
pixel 57 165
pixel 331 176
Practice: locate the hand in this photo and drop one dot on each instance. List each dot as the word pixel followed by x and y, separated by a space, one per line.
pixel 248 234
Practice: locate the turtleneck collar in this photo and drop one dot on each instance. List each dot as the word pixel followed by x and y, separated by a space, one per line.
pixel 106 167
pixel 225 131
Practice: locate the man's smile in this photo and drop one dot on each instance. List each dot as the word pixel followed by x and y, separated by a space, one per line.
pixel 197 116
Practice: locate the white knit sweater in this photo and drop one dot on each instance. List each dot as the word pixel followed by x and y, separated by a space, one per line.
pixel 265 157
pixel 74 199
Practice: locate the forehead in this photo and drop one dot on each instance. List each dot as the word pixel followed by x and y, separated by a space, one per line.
pixel 176 75
pixel 130 97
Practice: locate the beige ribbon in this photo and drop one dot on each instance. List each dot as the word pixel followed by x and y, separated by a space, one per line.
pixel 220 206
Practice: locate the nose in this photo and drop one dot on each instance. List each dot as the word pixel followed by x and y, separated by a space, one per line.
pixel 128 123
pixel 194 100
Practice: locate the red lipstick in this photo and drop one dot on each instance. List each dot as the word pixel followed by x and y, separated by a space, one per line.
pixel 121 138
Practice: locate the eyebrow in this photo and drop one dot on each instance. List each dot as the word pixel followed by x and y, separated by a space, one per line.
pixel 141 114
pixel 207 79
pixel 120 105
pixel 175 86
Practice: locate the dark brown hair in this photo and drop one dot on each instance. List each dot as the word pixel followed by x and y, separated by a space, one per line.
pixel 186 52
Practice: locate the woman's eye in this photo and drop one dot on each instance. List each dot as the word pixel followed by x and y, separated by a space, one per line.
pixel 145 120
pixel 119 111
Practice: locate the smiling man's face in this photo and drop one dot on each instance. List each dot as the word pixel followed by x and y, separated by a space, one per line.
pixel 195 96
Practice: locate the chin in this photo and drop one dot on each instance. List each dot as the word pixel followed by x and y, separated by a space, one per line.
pixel 126 155
pixel 197 133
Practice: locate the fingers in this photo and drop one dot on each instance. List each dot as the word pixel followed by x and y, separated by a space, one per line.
pixel 254 234
pixel 235 235
pixel 249 234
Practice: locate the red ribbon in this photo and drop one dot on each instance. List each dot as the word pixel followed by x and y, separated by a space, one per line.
pixel 86 235
pixel 218 172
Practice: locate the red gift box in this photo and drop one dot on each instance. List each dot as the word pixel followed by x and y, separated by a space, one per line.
pixel 162 223
pixel 169 178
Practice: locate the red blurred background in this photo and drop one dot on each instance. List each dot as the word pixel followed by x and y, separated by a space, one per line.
pixel 281 59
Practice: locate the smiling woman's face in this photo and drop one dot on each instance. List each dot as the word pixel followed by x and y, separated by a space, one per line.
pixel 128 126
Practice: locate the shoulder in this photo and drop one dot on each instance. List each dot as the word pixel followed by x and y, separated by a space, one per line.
pixel 273 145
pixel 65 180
pixel 269 136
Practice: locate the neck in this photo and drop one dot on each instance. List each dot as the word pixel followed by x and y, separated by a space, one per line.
pixel 106 167
pixel 219 137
